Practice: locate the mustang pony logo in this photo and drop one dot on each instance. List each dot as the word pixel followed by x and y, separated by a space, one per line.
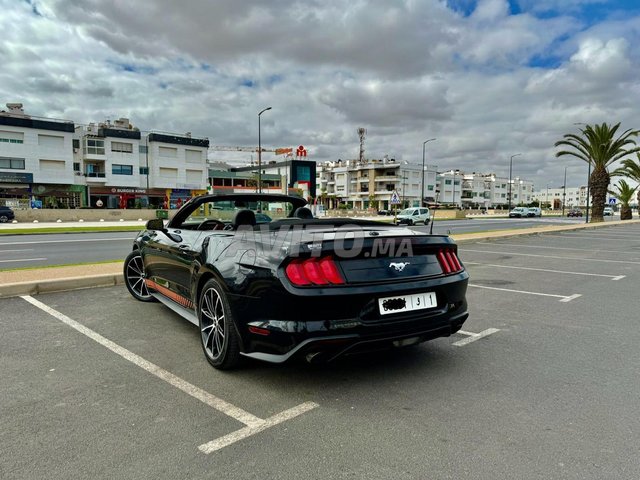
pixel 398 266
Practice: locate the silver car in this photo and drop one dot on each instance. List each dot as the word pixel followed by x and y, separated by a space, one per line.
pixel 413 216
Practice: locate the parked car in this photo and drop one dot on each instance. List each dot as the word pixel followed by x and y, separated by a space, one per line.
pixel 6 214
pixel 296 286
pixel 413 216
pixel 385 212
pixel 519 212
pixel 574 212
pixel 608 211
pixel 534 212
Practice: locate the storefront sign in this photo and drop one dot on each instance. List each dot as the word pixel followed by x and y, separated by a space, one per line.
pixel 10 177
pixel 128 190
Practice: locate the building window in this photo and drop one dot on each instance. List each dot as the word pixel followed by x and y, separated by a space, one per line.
pixel 12 163
pixel 168 152
pixel 76 143
pixel 142 149
pixel 447 182
pixel 144 170
pixel 122 147
pixel 122 169
pixel 94 147
pixel 76 166
pixel 11 137
pixel 51 141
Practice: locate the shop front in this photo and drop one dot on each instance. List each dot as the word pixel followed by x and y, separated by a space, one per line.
pixel 179 196
pixel 56 196
pixel 15 189
pixel 125 197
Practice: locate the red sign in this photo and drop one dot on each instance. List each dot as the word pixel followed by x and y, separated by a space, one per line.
pixel 301 151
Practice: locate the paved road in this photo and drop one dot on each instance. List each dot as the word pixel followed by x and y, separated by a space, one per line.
pixel 72 248
pixel 552 394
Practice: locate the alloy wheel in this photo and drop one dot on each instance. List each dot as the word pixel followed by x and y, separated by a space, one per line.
pixel 212 323
pixel 135 277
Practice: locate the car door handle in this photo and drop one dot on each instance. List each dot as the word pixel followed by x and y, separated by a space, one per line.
pixel 183 247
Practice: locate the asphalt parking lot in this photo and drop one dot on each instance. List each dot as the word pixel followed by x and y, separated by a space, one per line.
pixel 542 384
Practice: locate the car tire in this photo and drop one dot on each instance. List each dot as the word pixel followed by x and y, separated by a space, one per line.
pixel 218 336
pixel 410 223
pixel 4 219
pixel 134 277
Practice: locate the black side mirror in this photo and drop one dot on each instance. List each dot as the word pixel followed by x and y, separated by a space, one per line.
pixel 155 224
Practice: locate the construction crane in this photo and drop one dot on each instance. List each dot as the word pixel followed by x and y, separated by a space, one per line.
pixel 222 148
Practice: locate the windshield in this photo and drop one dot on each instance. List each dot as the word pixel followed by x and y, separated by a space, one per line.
pixel 407 211
pixel 223 210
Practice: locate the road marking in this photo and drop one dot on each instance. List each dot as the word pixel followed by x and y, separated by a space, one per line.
pixel 68 241
pixel 22 250
pixel 253 424
pixel 612 277
pixel 472 337
pixel 527 245
pixel 590 237
pixel 579 259
pixel 23 260
pixel 245 432
pixel 563 298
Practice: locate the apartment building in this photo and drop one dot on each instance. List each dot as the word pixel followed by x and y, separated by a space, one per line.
pixel 49 163
pixel 36 160
pixel 370 183
pixel 476 190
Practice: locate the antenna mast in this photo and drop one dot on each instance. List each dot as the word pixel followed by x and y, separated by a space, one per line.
pixel 362 132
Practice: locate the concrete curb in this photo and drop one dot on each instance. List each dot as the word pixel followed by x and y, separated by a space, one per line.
pixel 60 285
pixel 77 282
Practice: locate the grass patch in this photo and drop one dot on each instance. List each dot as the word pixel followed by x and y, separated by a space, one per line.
pixel 45 230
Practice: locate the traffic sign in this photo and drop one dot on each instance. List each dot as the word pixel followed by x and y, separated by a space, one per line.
pixel 395 199
pixel 612 201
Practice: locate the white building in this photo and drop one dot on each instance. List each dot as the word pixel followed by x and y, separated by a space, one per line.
pixel 371 183
pixel 36 160
pixel 476 190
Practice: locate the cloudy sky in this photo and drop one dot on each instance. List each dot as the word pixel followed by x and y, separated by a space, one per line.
pixel 487 78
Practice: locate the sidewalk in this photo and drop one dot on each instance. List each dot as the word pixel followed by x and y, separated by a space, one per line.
pixel 54 279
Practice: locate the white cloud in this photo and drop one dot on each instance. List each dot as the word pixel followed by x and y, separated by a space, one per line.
pixel 487 85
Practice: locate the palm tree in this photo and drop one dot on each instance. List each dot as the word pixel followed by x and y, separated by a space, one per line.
pixel 599 147
pixel 624 193
pixel 631 170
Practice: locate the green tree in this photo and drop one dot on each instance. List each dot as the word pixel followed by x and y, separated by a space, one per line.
pixel 631 170
pixel 624 192
pixel 598 146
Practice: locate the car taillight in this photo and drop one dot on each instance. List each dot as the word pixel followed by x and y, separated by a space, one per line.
pixel 448 261
pixel 314 271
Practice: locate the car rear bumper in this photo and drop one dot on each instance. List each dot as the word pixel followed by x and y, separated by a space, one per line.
pixel 328 327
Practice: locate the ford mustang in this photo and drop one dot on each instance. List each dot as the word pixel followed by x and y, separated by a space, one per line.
pixel 262 278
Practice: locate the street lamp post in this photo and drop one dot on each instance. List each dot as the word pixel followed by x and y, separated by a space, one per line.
pixel 546 198
pixel 422 191
pixel 564 190
pixel 510 170
pixel 260 151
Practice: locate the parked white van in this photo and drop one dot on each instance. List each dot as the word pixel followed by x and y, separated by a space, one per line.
pixel 414 215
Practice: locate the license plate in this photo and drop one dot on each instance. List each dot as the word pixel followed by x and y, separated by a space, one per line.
pixel 407 303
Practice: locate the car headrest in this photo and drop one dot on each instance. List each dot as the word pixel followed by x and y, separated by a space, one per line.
pixel 303 212
pixel 244 217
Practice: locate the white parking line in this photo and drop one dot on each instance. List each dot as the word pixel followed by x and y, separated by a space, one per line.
pixel 563 298
pixel 245 432
pixel 612 277
pixel 472 337
pixel 590 237
pixel 527 245
pixel 253 424
pixel 22 250
pixel 23 260
pixel 579 259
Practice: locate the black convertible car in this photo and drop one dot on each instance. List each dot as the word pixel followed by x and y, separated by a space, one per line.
pixel 293 285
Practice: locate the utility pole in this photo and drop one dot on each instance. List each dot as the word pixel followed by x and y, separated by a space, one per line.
pixel 564 190
pixel 510 169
